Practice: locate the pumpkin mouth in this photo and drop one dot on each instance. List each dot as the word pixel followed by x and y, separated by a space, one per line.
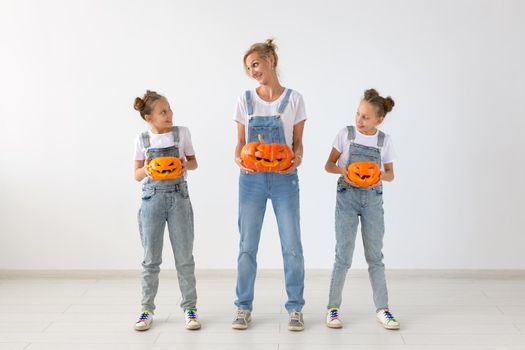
pixel 268 162
pixel 168 171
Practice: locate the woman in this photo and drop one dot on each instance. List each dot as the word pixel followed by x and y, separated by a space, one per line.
pixel 278 115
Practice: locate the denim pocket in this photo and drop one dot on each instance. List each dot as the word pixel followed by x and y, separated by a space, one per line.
pixel 147 193
pixel 183 190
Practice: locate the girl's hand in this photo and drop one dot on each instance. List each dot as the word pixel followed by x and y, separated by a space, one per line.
pixel 344 172
pixel 238 161
pixel 146 168
pixel 183 166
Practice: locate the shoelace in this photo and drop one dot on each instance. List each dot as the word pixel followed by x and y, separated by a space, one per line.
pixel 191 313
pixel 295 316
pixel 143 316
pixel 389 315
pixel 241 314
pixel 333 314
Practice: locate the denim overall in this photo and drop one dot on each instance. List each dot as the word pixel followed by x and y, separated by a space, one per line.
pixel 367 204
pixel 283 190
pixel 166 201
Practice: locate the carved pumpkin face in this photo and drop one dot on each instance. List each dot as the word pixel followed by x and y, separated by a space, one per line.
pixel 364 174
pixel 266 157
pixel 165 168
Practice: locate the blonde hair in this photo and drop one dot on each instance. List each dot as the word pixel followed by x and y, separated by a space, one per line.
pixel 264 50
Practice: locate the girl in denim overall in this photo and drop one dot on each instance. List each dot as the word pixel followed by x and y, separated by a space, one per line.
pixel 165 201
pixel 362 143
pixel 277 114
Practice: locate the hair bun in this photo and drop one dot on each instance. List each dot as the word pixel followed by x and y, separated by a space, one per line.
pixel 389 104
pixel 139 104
pixel 370 94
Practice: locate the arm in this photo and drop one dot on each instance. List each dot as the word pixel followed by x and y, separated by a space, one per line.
pixel 388 174
pixel 331 163
pixel 241 141
pixel 297 147
pixel 141 170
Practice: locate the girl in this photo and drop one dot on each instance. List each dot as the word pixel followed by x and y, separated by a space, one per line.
pixel 361 143
pixel 278 114
pixel 165 201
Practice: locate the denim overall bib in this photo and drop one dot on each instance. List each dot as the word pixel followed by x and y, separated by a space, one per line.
pixel 166 201
pixel 356 204
pixel 283 190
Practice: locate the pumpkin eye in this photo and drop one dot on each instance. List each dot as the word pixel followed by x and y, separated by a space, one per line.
pixel 171 164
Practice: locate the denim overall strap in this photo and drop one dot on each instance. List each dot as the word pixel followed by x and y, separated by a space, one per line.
pixel 284 102
pixel 249 103
pixel 362 153
pixel 269 127
pixel 145 139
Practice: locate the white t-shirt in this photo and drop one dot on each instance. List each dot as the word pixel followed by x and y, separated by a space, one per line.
pixel 342 144
pixel 165 140
pixel 293 113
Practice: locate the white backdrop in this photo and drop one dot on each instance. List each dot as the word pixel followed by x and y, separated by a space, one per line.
pixel 70 70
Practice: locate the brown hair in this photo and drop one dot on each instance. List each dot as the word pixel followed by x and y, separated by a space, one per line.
pixel 265 50
pixel 145 104
pixel 383 105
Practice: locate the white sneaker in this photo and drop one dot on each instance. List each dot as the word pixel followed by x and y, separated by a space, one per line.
pixel 387 320
pixel 144 321
pixel 192 322
pixel 242 319
pixel 296 322
pixel 332 318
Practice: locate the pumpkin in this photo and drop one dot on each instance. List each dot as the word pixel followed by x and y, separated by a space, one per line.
pixel 165 168
pixel 364 174
pixel 266 157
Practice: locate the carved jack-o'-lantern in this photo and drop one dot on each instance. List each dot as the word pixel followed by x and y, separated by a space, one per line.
pixel 165 168
pixel 364 174
pixel 266 157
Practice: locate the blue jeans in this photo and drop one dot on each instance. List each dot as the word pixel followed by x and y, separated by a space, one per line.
pixel 283 190
pixel 354 203
pixel 171 205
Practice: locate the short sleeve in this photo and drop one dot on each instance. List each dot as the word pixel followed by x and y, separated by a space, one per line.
pixel 389 153
pixel 139 148
pixel 300 113
pixel 339 141
pixel 187 147
pixel 240 110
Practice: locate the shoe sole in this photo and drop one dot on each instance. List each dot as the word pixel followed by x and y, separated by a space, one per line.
pixel 335 326
pixel 295 329
pixel 140 329
pixel 391 328
pixel 239 327
pixel 193 328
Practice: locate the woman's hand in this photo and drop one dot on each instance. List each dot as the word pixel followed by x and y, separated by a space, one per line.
pixel 238 161
pixel 296 161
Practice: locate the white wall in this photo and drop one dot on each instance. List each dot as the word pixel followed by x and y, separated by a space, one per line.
pixel 70 70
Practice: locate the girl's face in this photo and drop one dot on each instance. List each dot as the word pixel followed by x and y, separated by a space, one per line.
pixel 161 118
pixel 260 69
pixel 366 118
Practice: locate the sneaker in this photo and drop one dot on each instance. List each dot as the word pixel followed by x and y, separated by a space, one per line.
pixel 242 319
pixel 296 322
pixel 332 318
pixel 387 320
pixel 144 321
pixel 192 322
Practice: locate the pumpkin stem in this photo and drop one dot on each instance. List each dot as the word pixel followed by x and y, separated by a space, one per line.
pixel 261 140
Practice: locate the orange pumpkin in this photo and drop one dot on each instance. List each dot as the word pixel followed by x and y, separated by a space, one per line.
pixel 165 168
pixel 266 157
pixel 364 174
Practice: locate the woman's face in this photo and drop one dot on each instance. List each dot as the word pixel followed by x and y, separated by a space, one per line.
pixel 161 117
pixel 260 69
pixel 366 118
